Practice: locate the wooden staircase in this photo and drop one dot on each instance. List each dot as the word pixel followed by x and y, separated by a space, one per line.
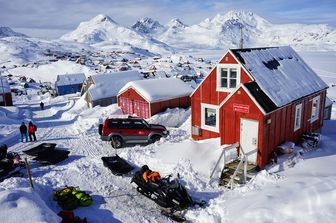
pixel 238 179
pixel 236 172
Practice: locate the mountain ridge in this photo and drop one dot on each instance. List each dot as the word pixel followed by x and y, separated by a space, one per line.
pixel 223 31
pixel 6 31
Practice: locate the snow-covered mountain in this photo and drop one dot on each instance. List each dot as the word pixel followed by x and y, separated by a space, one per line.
pixel 6 32
pixel 148 26
pixel 148 36
pixel 102 30
pixel 223 31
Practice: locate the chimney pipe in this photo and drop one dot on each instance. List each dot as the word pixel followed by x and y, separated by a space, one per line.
pixel 241 37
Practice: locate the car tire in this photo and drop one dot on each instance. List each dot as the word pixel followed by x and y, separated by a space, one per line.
pixel 100 129
pixel 116 142
pixel 155 138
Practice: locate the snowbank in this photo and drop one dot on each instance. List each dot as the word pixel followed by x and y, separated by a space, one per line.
pixel 172 117
pixel 24 205
pixel 49 72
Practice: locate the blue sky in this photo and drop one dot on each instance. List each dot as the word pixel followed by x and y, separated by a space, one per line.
pixel 51 18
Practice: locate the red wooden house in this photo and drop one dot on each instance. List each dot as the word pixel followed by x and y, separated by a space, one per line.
pixel 260 97
pixel 5 93
pixel 145 98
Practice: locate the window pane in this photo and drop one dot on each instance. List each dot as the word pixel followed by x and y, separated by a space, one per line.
pixel 210 117
pixel 224 82
pixel 224 72
pixel 298 113
pixel 233 73
pixel 138 125
pixel 113 124
pixel 315 109
pixel 233 83
pixel 126 124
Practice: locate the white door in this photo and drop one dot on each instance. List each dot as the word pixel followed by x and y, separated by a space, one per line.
pixel 249 137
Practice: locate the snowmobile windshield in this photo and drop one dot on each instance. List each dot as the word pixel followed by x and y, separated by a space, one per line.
pixel 174 184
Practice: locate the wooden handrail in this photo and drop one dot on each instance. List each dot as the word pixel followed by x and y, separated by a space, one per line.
pixel 243 160
pixel 235 173
pixel 235 145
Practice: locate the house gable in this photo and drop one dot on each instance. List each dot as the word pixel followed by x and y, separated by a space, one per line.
pixel 239 105
pixel 206 93
pixel 130 92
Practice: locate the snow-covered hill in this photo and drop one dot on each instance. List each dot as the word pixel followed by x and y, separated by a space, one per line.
pixel 6 32
pixel 223 31
pixel 18 50
pixel 102 29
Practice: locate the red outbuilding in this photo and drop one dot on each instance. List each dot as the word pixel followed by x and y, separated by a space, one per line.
pixel 259 97
pixel 145 98
pixel 5 93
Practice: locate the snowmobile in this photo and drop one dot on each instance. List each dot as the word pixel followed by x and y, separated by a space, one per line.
pixel 169 194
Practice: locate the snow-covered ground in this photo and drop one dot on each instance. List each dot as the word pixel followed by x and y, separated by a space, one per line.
pixel 304 193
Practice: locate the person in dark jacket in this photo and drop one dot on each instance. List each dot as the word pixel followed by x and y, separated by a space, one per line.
pixel 31 131
pixel 3 151
pixel 42 105
pixel 23 132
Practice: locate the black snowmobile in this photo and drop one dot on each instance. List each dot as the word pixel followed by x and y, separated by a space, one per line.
pixel 169 194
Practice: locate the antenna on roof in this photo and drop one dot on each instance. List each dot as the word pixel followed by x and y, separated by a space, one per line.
pixel 241 37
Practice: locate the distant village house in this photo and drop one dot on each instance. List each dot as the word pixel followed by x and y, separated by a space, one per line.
pixel 69 83
pixel 145 98
pixel 102 89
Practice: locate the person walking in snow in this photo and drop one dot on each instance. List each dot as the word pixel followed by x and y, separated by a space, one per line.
pixel 31 130
pixel 42 105
pixel 23 132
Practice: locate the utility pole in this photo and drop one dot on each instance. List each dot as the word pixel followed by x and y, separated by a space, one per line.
pixel 241 37
pixel 2 85
pixel 2 89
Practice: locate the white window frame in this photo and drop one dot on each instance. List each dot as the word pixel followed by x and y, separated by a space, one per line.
pixel 218 73
pixel 298 117
pixel 203 125
pixel 317 101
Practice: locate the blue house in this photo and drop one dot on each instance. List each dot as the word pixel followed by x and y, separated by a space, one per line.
pixel 69 83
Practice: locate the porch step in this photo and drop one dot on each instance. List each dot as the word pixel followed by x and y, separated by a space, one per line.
pixel 229 170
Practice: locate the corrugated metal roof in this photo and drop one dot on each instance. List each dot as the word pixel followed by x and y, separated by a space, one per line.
pixel 280 73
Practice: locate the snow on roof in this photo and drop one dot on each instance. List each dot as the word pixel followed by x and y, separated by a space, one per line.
pixel 160 89
pixel 328 102
pixel 66 79
pixel 280 72
pixel 108 85
pixel 4 85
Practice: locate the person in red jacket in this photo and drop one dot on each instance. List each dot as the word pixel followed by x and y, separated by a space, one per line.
pixel 31 131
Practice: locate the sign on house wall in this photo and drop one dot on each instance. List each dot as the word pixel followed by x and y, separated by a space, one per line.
pixel 241 108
